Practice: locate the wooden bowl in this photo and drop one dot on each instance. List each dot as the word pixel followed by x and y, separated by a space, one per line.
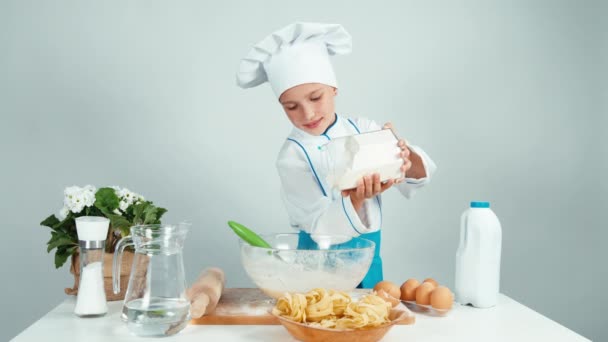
pixel 307 333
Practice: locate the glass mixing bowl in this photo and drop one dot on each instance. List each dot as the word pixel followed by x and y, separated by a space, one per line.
pixel 287 267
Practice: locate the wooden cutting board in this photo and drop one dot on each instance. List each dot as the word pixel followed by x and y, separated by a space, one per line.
pixel 241 307
pixel 250 306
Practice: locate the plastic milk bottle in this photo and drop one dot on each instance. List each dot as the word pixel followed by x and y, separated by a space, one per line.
pixel 478 257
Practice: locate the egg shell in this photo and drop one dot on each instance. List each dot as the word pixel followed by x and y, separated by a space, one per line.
pixel 408 289
pixel 388 298
pixel 441 298
pixel 423 293
pixel 391 288
pixel 432 281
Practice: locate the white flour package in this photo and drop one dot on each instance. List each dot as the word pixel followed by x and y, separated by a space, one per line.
pixel 352 157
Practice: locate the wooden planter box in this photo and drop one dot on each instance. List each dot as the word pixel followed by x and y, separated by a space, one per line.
pixel 125 271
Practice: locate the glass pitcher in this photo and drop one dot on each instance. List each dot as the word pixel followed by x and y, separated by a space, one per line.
pixel 155 301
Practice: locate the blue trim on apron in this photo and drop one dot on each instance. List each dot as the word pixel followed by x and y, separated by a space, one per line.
pixel 311 167
pixel 330 126
pixel 348 217
pixel 355 126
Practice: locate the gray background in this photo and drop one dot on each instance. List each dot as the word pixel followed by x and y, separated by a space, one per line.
pixel 509 98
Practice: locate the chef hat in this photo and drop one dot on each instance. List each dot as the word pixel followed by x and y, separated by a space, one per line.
pixel 296 54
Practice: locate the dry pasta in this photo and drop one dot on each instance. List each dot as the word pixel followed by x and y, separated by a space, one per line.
pixel 333 309
pixel 319 305
pixel 340 300
pixel 291 306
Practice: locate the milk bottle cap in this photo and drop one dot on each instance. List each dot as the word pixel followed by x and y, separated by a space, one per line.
pixel 480 204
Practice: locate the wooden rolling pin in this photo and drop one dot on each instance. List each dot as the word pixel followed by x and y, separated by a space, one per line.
pixel 206 291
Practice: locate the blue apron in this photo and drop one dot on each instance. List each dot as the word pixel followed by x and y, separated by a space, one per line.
pixel 373 276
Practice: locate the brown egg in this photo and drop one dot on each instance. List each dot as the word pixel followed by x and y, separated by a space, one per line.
pixel 423 293
pixel 408 289
pixel 432 281
pixel 388 287
pixel 388 298
pixel 441 298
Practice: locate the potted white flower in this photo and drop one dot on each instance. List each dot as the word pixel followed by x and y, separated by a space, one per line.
pixel 123 207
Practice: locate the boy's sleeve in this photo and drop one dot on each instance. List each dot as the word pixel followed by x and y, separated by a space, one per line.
pixel 409 185
pixel 308 209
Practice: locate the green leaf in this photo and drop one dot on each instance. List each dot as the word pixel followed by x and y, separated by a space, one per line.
pixel 59 240
pixel 120 223
pixel 150 214
pixel 105 212
pixel 62 254
pixel 94 211
pixel 106 199
pixel 50 221
pixel 129 211
pixel 147 213
pixel 138 212
pixel 65 224
pixel 160 213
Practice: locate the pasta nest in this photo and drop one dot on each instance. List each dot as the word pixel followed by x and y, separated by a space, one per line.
pixel 333 309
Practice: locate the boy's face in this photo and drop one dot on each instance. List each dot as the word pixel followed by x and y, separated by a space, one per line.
pixel 310 107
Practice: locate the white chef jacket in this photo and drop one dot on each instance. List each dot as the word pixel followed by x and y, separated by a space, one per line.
pixel 311 204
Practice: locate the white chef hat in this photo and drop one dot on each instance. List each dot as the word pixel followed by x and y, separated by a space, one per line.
pixel 296 54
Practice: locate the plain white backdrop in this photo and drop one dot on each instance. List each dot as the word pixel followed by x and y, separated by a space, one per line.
pixel 508 97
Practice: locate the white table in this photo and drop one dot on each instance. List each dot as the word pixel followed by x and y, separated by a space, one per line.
pixel 508 321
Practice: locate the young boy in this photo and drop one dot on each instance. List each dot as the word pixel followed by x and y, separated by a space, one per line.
pixel 295 61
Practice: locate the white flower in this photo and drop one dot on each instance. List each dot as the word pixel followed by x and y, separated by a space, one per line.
pixel 128 196
pixel 77 206
pixel 63 213
pixel 90 188
pixel 123 205
pixel 69 194
pixel 118 191
pixel 117 212
pixel 71 197
pixel 88 197
pixel 76 198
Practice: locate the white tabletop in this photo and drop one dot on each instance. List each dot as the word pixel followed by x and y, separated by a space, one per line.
pixel 507 321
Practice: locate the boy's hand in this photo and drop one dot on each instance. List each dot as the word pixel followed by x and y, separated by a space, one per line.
pixel 367 187
pixel 405 153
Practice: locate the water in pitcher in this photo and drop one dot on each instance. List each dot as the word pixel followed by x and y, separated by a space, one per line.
pixel 156 317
